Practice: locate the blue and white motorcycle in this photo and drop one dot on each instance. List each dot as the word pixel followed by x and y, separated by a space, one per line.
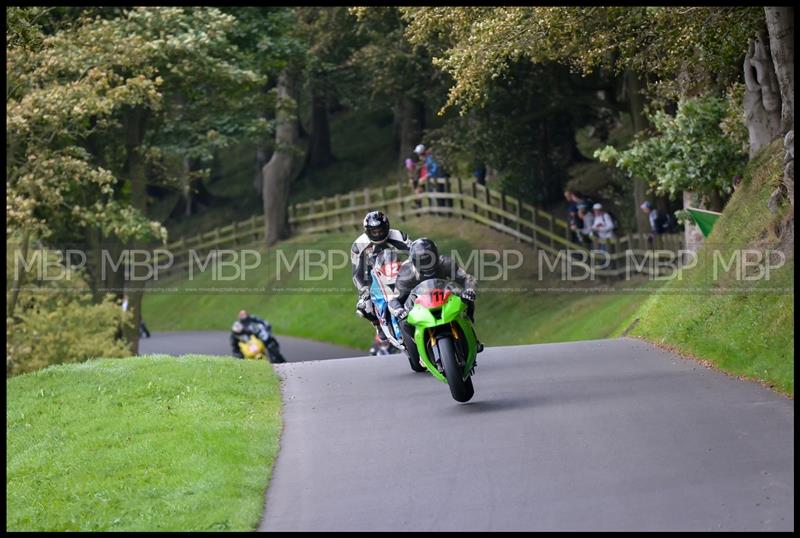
pixel 384 276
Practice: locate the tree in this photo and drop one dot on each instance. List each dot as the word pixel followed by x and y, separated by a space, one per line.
pixel 688 152
pixel 285 163
pixel 397 70
pixel 133 92
pixel 661 52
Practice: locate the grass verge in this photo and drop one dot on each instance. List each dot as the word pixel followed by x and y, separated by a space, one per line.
pixel 745 328
pixel 150 443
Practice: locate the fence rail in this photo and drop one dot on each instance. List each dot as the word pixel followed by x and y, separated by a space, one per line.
pixel 455 199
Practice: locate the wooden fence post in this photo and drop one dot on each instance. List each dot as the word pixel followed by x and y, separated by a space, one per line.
pixel 488 199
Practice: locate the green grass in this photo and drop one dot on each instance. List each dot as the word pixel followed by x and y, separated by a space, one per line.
pixel 141 444
pixel 748 333
pixel 502 318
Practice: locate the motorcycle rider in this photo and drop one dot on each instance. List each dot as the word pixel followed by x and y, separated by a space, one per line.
pixel 377 236
pixel 424 263
pixel 244 327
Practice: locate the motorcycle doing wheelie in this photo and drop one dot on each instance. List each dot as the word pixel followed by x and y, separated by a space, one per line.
pixel 444 334
pixel 385 268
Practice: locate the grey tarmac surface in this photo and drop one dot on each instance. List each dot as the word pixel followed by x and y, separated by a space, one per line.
pixel 217 343
pixel 593 435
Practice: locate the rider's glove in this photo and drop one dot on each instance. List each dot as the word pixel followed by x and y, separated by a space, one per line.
pixel 468 295
pixel 401 314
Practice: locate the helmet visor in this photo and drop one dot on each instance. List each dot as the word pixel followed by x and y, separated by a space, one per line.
pixel 378 233
pixel 425 263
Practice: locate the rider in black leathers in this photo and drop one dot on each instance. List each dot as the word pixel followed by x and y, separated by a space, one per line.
pixel 423 264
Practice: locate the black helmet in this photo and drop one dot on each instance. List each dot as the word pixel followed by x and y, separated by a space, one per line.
pixel 424 255
pixel 376 226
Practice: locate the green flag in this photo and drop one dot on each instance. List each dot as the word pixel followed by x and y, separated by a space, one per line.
pixel 704 219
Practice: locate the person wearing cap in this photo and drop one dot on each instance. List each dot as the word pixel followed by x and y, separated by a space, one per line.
pixel 652 214
pixel 603 224
pixel 659 223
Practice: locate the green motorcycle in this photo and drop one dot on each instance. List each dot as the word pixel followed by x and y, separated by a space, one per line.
pixel 444 335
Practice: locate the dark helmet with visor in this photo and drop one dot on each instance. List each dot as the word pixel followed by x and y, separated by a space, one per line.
pixel 376 226
pixel 425 256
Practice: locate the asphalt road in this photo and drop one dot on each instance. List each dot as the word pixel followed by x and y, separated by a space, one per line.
pixel 217 343
pixel 595 435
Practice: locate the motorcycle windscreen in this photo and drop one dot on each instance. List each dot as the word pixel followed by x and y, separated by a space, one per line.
pixel 434 292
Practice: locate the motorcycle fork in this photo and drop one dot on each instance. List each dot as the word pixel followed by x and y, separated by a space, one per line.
pixel 437 360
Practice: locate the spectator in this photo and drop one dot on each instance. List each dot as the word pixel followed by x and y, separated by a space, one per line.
pixel 585 219
pixel 737 180
pixel 572 209
pixel 574 199
pixel 418 172
pixel 480 172
pixel 602 225
pixel 660 223
pixel 656 220
pixel 574 222
pixel 432 173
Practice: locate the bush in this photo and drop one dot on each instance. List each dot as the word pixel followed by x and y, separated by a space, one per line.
pixel 699 149
pixel 58 322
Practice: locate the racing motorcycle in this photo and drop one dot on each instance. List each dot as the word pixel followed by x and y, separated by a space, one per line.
pixel 385 268
pixel 253 346
pixel 444 334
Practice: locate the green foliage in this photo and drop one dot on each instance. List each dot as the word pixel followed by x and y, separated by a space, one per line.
pixel 58 321
pixel 688 151
pixel 686 49
pixel 392 66
pixel 49 174
pixel 141 444
pixel 527 128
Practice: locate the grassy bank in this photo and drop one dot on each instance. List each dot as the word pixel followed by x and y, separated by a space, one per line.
pixel 141 444
pixel 524 315
pixel 742 327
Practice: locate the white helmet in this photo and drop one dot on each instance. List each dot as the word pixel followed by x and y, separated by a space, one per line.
pixel 419 150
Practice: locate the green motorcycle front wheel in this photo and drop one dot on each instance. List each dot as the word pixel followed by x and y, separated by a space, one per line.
pixel 462 391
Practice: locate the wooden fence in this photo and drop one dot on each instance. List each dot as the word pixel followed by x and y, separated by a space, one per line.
pixel 455 199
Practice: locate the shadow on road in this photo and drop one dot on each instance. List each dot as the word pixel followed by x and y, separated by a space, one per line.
pixel 500 404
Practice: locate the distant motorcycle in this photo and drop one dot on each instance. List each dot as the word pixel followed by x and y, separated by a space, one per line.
pixel 260 345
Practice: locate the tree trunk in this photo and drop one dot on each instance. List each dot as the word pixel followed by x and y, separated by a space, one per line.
pixel 187 187
pixel 12 303
pixel 788 170
pixel 762 100
pixel 136 168
pixel 320 154
pixel 780 25
pixel 693 237
pixel 283 167
pixel 411 119
pixel 636 101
